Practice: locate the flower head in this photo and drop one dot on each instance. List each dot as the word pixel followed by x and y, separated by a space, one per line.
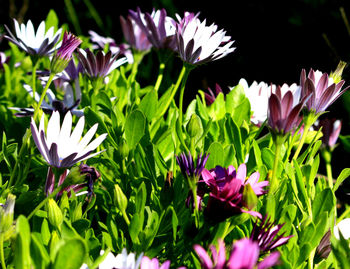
pixel 134 35
pixel 147 263
pixel 41 43
pixel 189 168
pixel 330 130
pixel 244 255
pixel 99 42
pixel 100 65
pixel 283 112
pixel 63 55
pixel 122 260
pixel 321 90
pixel 158 27
pixel 258 95
pixel 265 234
pixel 61 148
pixel 342 227
pixel 227 191
pixel 198 43
pixel 210 97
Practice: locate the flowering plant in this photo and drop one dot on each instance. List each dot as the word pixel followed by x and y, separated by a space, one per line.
pixel 155 182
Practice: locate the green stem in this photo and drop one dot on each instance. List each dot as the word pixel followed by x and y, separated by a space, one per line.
pixel 182 91
pixel 43 202
pixel 345 214
pixel 160 76
pixel 274 184
pixel 329 174
pixel 311 259
pixel 174 90
pixel 195 201
pixel 125 216
pixel 2 257
pixel 308 121
pixel 34 80
pixel 43 94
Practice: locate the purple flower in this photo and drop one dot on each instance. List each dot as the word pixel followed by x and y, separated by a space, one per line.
pixel 210 97
pixel 147 263
pixel 283 112
pixel 330 130
pixel 63 55
pixel 158 27
pixel 100 65
pixel 227 186
pixel 189 168
pixel 133 34
pixel 100 42
pixel 321 88
pixel 244 255
pixel 265 234
pixel 40 43
pixel 198 43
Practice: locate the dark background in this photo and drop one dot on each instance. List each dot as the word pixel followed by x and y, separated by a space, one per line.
pixel 274 40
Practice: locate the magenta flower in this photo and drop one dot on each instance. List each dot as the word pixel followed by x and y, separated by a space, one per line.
pixel 321 88
pixel 63 55
pixel 283 112
pixel 147 263
pixel 330 130
pixel 265 234
pixel 244 255
pixel 134 35
pixel 226 191
pixel 158 27
pixel 198 43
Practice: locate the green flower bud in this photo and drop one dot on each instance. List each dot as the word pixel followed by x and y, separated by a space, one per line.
pixel 249 197
pixel 64 203
pixel 123 148
pixel 120 200
pixel 194 126
pixel 77 212
pixel 336 75
pixel 54 213
pixel 6 213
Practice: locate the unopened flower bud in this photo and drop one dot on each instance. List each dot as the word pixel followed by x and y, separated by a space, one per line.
pixel 249 197
pixel 6 213
pixel 54 213
pixel 120 200
pixel 64 203
pixel 123 149
pixel 336 75
pixel 77 212
pixel 194 126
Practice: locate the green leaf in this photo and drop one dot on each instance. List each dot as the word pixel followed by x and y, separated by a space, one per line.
pixel 233 135
pixel 22 245
pixel 135 228
pixel 149 104
pixel 303 254
pixel 343 175
pixel 324 202
pixel 51 21
pixel 134 128
pixel 216 155
pixel 64 257
pixel 38 252
pixel 45 232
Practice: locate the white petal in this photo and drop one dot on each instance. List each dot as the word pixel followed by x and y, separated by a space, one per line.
pixel 53 128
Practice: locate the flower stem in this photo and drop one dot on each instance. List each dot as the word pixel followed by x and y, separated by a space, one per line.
pixel 329 174
pixel 2 257
pixel 274 184
pixel 160 76
pixel 195 201
pixel 125 217
pixel 309 120
pixel 182 90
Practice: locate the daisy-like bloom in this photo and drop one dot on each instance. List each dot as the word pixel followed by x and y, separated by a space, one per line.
pixel 244 255
pixel 258 95
pixel 147 263
pixel 100 42
pixel 69 103
pixel 228 189
pixel 122 260
pixel 210 97
pixel 133 34
pixel 63 55
pixel 198 43
pixel 158 27
pixel 283 112
pixel 330 130
pixel 342 227
pixel 42 43
pixel 265 234
pixel 321 88
pixel 98 66
pixel 61 148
